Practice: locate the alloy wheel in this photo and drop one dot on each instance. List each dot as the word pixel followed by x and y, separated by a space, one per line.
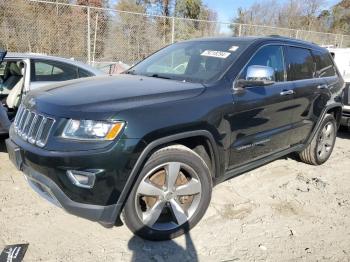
pixel 168 196
pixel 326 141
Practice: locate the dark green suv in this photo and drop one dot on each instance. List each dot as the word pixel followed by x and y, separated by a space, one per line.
pixel 152 142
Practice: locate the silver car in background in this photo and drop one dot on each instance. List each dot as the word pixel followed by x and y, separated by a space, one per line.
pixel 41 70
pixel 22 72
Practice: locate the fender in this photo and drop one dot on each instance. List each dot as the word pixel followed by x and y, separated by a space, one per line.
pixel 115 216
pixel 319 122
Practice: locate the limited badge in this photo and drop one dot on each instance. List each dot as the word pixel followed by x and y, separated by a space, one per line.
pixel 14 253
pixel 217 54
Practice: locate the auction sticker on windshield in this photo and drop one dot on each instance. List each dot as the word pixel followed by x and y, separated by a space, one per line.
pixel 217 54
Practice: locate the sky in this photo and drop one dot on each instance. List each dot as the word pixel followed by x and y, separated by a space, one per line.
pixel 227 9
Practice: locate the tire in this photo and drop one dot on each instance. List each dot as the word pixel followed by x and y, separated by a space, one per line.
pixel 313 153
pixel 145 203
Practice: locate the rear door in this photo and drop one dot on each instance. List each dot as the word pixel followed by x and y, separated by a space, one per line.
pixel 308 98
pixel 260 116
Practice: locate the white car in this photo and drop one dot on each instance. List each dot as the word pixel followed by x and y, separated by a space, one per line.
pixel 341 57
pixel 22 72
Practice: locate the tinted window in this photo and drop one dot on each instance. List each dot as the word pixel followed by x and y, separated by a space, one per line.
pixel 300 65
pixel 175 63
pixel 271 56
pixel 84 73
pixel 43 70
pixel 193 61
pixel 324 64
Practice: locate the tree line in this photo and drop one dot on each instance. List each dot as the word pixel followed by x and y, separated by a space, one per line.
pixel 310 15
pixel 121 36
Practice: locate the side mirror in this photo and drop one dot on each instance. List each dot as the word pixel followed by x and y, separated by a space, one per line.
pixel 257 76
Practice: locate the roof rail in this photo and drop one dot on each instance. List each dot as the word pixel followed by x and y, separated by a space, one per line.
pixel 291 38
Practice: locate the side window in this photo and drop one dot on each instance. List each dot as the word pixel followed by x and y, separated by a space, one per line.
pixel 271 56
pixel 324 64
pixel 44 70
pixel 83 73
pixel 300 64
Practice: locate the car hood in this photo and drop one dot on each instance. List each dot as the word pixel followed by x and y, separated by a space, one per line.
pixel 103 97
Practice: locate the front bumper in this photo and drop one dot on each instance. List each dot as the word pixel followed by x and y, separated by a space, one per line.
pixel 52 193
pixel 46 173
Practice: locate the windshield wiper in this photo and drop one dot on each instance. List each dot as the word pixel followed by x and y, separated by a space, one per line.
pixel 159 76
pixel 130 72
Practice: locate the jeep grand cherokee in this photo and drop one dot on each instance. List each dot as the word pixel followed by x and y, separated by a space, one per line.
pixel 152 142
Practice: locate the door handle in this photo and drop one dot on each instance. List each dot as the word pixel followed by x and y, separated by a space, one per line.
pixel 287 92
pixel 322 87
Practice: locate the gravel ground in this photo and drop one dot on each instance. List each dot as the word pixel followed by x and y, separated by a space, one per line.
pixel 284 211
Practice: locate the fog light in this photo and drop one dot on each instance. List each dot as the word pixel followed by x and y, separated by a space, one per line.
pixel 84 179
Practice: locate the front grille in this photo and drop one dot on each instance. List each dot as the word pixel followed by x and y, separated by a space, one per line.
pixel 33 127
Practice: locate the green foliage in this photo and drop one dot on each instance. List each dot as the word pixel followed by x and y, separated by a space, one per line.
pixel 188 8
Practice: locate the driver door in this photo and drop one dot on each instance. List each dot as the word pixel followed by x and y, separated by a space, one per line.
pixel 261 115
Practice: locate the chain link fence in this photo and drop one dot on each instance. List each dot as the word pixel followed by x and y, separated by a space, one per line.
pixel 96 35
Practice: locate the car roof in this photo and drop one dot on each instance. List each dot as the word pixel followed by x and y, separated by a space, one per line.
pixel 248 40
pixel 11 55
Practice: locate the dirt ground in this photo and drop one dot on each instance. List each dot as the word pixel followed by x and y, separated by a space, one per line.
pixel 284 211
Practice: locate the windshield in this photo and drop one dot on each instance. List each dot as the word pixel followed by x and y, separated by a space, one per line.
pixel 194 61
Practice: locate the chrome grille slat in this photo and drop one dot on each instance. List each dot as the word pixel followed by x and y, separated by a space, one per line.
pixel 19 113
pixel 40 131
pixel 22 122
pixel 33 127
pixel 45 132
pixel 22 116
pixel 34 134
pixel 27 125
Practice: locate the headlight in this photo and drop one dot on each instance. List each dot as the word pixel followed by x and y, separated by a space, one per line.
pixel 92 130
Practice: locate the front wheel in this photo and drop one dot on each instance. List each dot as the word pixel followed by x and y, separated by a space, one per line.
pixel 170 196
pixel 321 147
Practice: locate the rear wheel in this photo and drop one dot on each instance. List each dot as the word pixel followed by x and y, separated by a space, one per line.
pixel 170 196
pixel 321 147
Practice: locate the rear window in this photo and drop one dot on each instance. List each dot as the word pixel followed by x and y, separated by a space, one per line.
pixel 300 64
pixel 324 64
pixel 45 70
pixel 83 73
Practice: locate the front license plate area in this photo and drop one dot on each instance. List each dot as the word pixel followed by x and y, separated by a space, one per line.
pixel 15 154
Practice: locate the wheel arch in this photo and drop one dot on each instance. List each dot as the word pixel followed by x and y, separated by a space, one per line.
pixel 334 109
pixel 180 138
